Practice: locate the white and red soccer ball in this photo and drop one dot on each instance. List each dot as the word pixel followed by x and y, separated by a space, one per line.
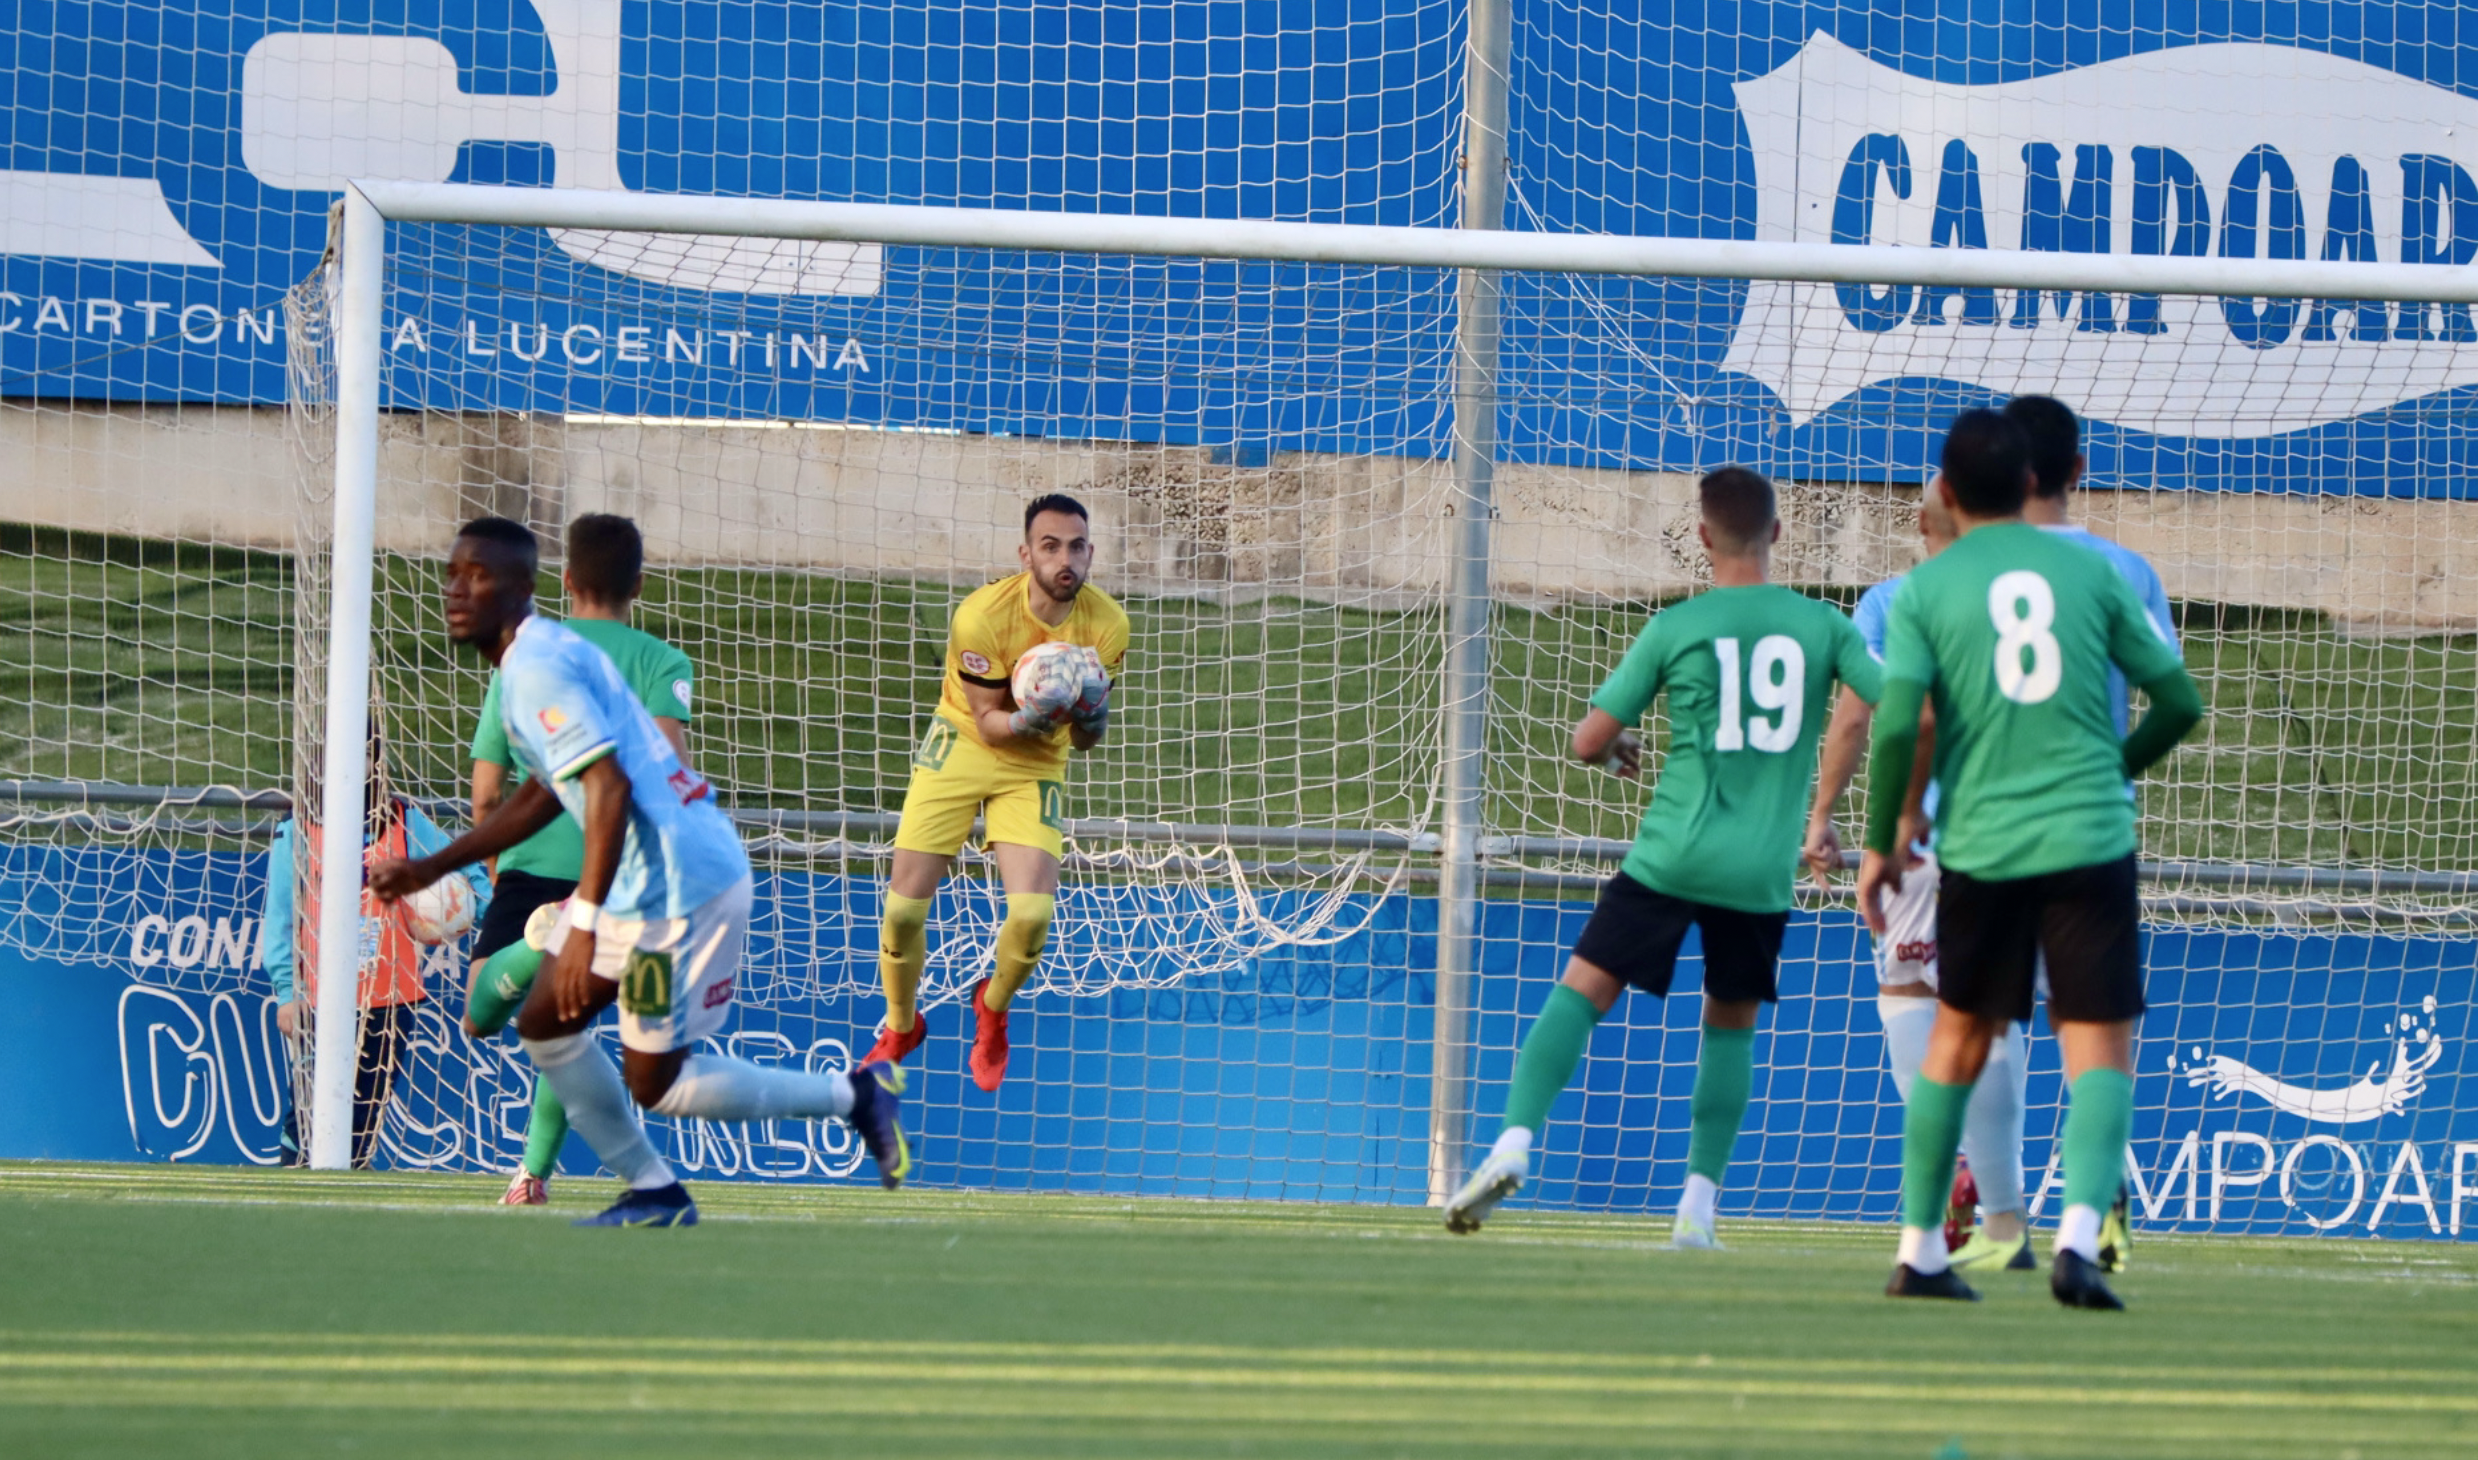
pixel 1060 679
pixel 439 913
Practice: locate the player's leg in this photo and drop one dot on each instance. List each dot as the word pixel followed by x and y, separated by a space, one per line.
pixel 507 955
pixel 1632 937
pixel 675 990
pixel 2090 930
pixel 591 1091
pixel 1906 973
pixel 951 775
pixel 1992 1130
pixel 1027 837
pixel 383 1031
pixel 1742 954
pixel 1985 946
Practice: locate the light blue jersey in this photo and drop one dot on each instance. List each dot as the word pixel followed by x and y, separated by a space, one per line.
pixel 2138 575
pixel 566 707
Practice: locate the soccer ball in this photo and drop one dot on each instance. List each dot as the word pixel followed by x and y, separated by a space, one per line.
pixel 1049 678
pixel 538 926
pixel 441 912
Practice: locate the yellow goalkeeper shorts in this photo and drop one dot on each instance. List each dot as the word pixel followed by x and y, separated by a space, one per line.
pixel 955 778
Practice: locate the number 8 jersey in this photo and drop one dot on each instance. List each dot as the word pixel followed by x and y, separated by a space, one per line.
pixel 2013 630
pixel 1749 673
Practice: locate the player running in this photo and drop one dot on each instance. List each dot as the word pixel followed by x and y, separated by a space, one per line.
pixel 2012 630
pixel 604 574
pixel 986 755
pixel 1741 663
pixel 661 908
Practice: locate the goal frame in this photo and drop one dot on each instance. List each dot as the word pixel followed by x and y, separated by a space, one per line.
pixel 1480 251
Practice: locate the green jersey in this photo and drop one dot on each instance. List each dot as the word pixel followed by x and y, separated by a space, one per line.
pixel 2012 631
pixel 1749 673
pixel 662 681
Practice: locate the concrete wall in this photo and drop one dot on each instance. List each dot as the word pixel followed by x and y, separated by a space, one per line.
pixel 1172 519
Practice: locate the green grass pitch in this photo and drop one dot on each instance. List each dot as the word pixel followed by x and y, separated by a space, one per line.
pixel 211 1312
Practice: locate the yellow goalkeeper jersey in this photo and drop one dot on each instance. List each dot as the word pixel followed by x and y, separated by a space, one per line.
pixel 995 625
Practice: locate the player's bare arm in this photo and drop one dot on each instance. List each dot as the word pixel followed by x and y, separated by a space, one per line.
pixel 571 984
pixel 1601 740
pixel 1845 745
pixel 520 816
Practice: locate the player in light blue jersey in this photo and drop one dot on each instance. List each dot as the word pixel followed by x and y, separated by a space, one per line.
pixel 661 909
pixel 1906 958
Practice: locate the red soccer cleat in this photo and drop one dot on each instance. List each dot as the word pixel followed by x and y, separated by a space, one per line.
pixel 893 1046
pixel 1962 1211
pixel 989 1041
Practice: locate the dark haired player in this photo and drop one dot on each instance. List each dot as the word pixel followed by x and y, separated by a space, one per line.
pixel 984 754
pixel 1749 669
pixel 660 915
pixel 2012 630
pixel 604 575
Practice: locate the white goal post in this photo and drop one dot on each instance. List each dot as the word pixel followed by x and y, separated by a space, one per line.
pixel 359 350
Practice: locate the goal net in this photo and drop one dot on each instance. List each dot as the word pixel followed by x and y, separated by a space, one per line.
pixel 1241 996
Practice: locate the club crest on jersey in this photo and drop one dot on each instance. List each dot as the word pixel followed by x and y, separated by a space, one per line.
pixel 975 663
pixel 679 691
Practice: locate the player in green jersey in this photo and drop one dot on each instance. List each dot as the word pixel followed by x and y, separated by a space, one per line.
pixel 1749 670
pixel 2012 632
pixel 604 574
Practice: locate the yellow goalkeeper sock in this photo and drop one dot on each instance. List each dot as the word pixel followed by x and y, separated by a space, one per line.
pixel 903 946
pixel 1020 940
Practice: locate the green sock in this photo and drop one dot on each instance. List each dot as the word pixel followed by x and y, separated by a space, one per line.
pixel 500 984
pixel 2098 1123
pixel 1931 1137
pixel 545 1132
pixel 1724 1078
pixel 1551 1050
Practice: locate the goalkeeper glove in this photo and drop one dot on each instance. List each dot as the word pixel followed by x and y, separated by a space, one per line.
pixel 1027 724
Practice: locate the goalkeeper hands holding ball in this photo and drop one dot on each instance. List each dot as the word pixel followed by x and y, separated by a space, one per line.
pixel 1057 683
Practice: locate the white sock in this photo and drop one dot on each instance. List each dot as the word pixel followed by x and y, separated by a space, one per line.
pixel 2078 1231
pixel 1907 1023
pixel 1514 1143
pixel 1992 1125
pixel 1700 1199
pixel 712 1087
pixel 1923 1250
pixel 599 1107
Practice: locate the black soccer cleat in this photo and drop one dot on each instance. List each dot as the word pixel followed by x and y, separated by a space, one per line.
pixel 2077 1283
pixel 664 1206
pixel 2022 1261
pixel 1909 1282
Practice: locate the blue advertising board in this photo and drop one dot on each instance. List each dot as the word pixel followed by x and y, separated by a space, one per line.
pixel 2288 1082
pixel 170 168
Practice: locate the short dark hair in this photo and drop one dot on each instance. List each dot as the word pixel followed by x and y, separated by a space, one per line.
pixel 2055 439
pixel 1738 506
pixel 1054 502
pixel 1985 459
pixel 515 536
pixel 606 557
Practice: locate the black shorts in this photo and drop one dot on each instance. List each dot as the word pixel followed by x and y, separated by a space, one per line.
pixel 512 900
pixel 2087 920
pixel 1635 934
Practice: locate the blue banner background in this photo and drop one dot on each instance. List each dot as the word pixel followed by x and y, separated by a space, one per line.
pixel 1305 1076
pixel 1624 122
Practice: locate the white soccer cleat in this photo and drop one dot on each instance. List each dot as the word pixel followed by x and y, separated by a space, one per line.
pixel 1499 1177
pixel 1688 1235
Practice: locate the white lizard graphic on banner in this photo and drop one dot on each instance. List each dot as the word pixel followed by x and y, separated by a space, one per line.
pixel 2172 152
pixel 2415 1049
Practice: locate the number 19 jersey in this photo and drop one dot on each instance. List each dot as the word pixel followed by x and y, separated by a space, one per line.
pixel 1749 673
pixel 2012 630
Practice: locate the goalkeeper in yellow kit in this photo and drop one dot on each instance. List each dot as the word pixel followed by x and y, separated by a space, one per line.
pixel 986 754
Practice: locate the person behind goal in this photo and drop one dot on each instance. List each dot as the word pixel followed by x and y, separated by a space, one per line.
pixel 1741 664
pixel 984 754
pixel 2012 630
pixel 659 919
pixel 604 575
